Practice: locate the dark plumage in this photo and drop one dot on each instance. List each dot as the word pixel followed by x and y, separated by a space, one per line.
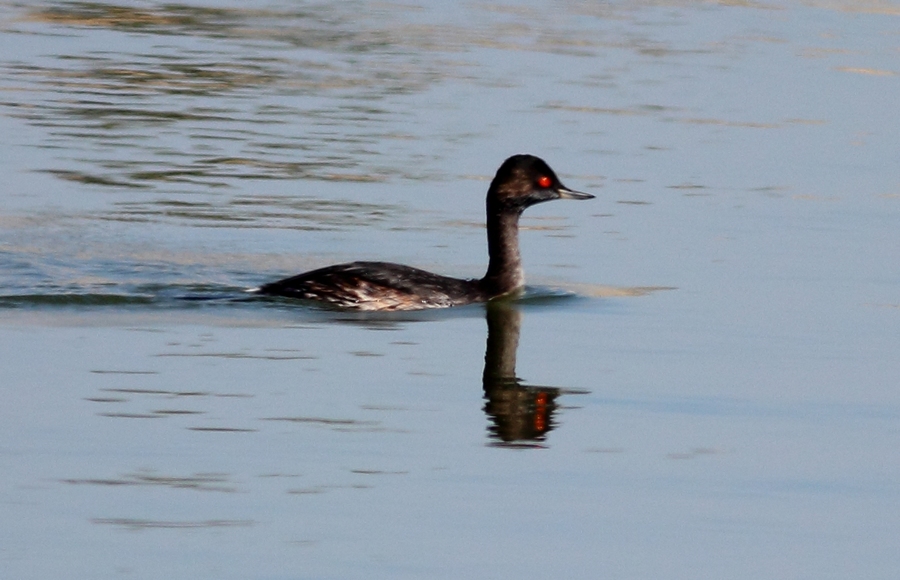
pixel 522 181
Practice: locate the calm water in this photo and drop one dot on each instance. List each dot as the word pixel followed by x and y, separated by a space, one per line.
pixel 701 382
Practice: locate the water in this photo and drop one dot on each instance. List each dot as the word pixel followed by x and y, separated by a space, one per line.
pixel 700 382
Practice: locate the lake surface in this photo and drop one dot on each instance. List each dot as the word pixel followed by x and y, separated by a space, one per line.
pixel 700 382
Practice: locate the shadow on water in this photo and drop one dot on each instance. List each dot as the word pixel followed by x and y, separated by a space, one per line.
pixel 521 415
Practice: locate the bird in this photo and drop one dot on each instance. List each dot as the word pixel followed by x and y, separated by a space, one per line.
pixel 520 182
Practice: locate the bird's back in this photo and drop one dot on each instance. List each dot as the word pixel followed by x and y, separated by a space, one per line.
pixel 377 286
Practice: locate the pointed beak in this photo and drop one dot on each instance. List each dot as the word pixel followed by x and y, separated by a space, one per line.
pixel 566 193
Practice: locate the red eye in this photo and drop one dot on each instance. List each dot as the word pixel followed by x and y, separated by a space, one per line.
pixel 544 181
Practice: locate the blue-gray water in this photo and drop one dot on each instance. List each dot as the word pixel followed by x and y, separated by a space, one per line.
pixel 702 381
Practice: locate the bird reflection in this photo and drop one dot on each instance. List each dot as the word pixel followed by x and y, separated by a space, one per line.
pixel 521 415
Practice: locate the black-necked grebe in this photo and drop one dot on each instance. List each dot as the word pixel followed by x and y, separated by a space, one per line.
pixel 522 181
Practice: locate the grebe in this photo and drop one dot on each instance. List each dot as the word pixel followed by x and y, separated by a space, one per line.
pixel 522 181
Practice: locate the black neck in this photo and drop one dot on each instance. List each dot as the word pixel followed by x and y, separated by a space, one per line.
pixel 504 273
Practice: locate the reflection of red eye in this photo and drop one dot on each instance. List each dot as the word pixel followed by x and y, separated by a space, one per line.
pixel 544 181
